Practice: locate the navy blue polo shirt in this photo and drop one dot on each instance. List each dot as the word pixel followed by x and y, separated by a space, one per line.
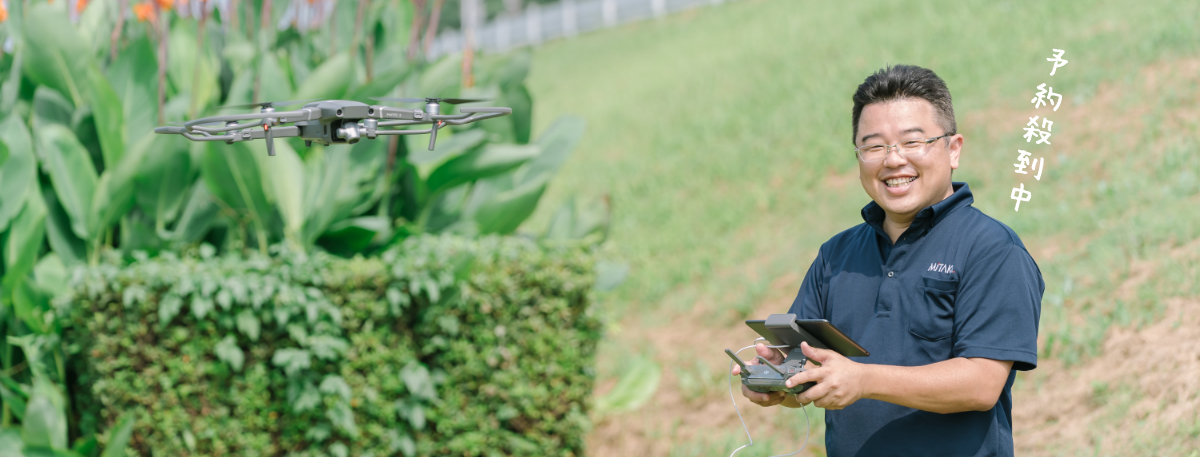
pixel 957 283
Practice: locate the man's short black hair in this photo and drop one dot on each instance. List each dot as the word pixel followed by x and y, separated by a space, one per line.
pixel 905 81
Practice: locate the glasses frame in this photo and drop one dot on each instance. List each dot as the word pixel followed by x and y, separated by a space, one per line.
pixel 888 148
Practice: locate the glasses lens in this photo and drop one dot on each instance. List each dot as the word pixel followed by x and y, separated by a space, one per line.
pixel 872 152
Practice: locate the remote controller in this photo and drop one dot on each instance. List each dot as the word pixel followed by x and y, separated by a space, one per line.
pixel 767 377
pixel 786 331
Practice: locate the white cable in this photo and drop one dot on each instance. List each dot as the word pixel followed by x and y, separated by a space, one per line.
pixel 807 430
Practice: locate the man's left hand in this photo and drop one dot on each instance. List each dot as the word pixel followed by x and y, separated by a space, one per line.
pixel 840 381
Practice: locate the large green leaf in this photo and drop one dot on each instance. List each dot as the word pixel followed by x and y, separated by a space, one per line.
pixel 381 85
pixel 164 176
pixel 283 183
pixel 507 71
pixel 192 67
pixel 444 150
pixel 442 79
pixel 71 171
pixel 196 218
pixel 364 181
pixel 557 143
pixel 18 171
pixel 31 305
pixel 325 170
pixel 233 177
pixel 273 84
pixel 327 81
pixel 12 87
pixel 11 444
pixel 14 399
pixel 24 238
pixel 55 54
pixel 114 194
pixel 636 386
pixel 118 436
pixel 51 107
pixel 505 211
pixel 45 424
pixel 522 113
pixel 95 25
pixel 113 198
pixel 109 117
pixel 490 160
pixel 134 80
pixel 58 227
pixel 50 274
pixel 354 235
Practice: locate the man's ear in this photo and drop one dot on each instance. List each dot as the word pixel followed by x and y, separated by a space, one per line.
pixel 956 143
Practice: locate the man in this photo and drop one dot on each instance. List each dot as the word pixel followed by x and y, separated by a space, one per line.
pixel 945 298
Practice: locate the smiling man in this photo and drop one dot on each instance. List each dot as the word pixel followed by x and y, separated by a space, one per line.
pixel 945 298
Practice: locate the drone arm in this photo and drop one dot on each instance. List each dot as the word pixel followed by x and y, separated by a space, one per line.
pixel 282 131
pixel 403 132
pixel 449 117
pixel 399 123
pixel 226 129
pixel 479 114
pixel 206 137
pixel 283 116
pixel 170 129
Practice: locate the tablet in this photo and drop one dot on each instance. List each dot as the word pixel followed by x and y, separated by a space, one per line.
pixel 781 329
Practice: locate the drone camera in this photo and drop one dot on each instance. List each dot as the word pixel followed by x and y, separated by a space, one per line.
pixel 349 132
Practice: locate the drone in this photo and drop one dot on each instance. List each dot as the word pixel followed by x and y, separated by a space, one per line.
pixel 331 121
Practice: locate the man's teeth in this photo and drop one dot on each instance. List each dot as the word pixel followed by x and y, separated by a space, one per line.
pixel 897 182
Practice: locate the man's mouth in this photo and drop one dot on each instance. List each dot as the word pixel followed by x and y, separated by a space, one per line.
pixel 899 182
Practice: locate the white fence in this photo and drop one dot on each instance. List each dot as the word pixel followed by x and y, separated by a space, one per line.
pixel 542 23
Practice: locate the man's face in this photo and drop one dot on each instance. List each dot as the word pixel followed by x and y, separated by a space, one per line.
pixel 904 186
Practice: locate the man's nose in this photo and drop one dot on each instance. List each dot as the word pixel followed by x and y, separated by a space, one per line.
pixel 894 160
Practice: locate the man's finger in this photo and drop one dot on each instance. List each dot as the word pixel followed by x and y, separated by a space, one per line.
pixel 818 355
pixel 756 397
pixel 809 375
pixel 768 353
pixel 773 398
pixel 813 394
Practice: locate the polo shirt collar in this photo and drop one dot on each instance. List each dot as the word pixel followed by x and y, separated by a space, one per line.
pixel 873 214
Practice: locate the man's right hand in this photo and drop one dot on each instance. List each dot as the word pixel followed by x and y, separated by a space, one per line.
pixel 759 398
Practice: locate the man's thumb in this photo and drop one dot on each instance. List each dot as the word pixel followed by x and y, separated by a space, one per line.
pixel 766 352
pixel 819 355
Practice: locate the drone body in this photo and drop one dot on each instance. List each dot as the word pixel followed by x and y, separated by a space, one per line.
pixel 330 122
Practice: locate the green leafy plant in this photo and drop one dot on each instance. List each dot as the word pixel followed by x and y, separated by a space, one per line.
pixel 82 178
pixel 443 345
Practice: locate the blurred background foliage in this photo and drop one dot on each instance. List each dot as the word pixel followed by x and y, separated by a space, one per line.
pixel 84 83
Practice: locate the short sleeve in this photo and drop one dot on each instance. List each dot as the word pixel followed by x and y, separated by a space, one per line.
pixel 998 306
pixel 810 301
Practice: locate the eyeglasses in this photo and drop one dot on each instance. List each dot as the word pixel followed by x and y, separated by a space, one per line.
pixel 909 149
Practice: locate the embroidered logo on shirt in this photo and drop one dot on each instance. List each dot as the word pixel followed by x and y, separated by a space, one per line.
pixel 941 268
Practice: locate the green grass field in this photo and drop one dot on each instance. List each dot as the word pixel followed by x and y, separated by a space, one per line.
pixel 723 137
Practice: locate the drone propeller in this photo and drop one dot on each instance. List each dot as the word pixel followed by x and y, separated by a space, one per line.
pixel 268 104
pixel 448 101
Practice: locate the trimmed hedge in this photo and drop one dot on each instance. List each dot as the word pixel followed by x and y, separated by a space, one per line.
pixel 444 346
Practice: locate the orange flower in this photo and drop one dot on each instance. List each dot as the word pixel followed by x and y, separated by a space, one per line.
pixel 80 5
pixel 164 4
pixel 3 13
pixel 144 12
